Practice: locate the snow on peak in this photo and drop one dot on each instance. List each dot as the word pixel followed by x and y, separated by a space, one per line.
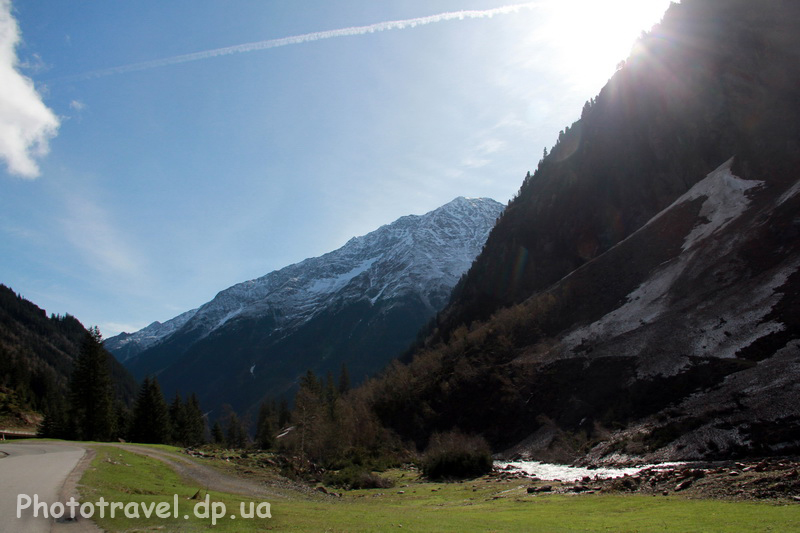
pixel 426 254
pixel 148 336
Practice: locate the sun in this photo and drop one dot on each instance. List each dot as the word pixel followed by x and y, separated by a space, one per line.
pixel 592 36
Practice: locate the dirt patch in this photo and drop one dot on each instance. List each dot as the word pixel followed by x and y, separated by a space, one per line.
pixel 70 490
pixel 220 473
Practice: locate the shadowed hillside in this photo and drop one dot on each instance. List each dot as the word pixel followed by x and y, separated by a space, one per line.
pixel 639 296
pixel 37 354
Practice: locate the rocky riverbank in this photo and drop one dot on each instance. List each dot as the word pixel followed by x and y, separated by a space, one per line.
pixel 768 479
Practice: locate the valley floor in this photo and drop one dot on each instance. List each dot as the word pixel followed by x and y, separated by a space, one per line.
pixel 501 501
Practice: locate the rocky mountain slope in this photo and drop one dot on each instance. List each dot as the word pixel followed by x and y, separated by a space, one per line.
pixel 361 305
pixel 715 79
pixel 691 324
pixel 640 295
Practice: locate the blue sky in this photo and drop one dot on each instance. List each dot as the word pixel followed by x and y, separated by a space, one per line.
pixel 132 190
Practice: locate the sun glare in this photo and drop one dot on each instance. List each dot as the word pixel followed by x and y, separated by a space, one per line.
pixel 592 37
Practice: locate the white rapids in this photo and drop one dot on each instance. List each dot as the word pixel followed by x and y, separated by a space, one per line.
pixel 553 472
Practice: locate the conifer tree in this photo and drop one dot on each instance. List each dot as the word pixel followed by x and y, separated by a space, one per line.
pixel 284 415
pixel 178 421
pixel 344 380
pixel 92 414
pixel 311 383
pixel 265 439
pixel 195 422
pixel 236 435
pixel 150 422
pixel 216 433
pixel 330 395
pixel 54 425
pixel 123 417
pixel 265 428
pixel 308 412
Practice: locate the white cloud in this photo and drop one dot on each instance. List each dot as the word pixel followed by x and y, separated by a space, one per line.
pixel 77 105
pixel 475 162
pixel 490 146
pixel 34 64
pixel 91 230
pixel 26 124
pixel 489 143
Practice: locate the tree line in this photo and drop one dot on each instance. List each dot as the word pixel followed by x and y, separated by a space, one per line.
pixel 330 427
pixel 94 412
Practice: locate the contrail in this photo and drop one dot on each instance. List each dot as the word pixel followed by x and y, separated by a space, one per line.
pixel 305 38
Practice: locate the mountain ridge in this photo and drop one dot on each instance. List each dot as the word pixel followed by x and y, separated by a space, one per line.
pixel 404 269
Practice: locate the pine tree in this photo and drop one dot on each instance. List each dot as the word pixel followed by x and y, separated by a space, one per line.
pixel 236 435
pixel 216 433
pixel 284 415
pixel 195 422
pixel 54 425
pixel 178 421
pixel 265 430
pixel 92 414
pixel 150 422
pixel 123 416
pixel 311 383
pixel 344 380
pixel 308 412
pixel 330 395
pixel 266 435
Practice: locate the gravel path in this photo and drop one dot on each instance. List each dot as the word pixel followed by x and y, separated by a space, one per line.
pixel 210 478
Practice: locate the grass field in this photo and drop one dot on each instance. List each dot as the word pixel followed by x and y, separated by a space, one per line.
pixel 480 505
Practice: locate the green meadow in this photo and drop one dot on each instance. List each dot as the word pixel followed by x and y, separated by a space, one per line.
pixel 415 505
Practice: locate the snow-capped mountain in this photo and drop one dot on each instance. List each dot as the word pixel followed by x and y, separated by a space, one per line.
pixel 127 345
pixel 424 254
pixel 362 305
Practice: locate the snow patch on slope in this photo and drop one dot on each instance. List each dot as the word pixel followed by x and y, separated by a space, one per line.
pixel 724 336
pixel 231 314
pixel 333 284
pixel 793 190
pixel 725 200
pixel 644 304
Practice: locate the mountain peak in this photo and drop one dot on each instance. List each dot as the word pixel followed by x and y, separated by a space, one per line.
pixel 364 303
pixel 466 201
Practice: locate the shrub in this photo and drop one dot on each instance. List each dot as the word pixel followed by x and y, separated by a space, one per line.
pixel 454 455
pixel 356 478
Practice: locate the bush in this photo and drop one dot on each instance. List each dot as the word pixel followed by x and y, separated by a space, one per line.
pixel 454 455
pixel 356 478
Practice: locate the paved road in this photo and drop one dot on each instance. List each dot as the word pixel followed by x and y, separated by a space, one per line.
pixel 32 468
